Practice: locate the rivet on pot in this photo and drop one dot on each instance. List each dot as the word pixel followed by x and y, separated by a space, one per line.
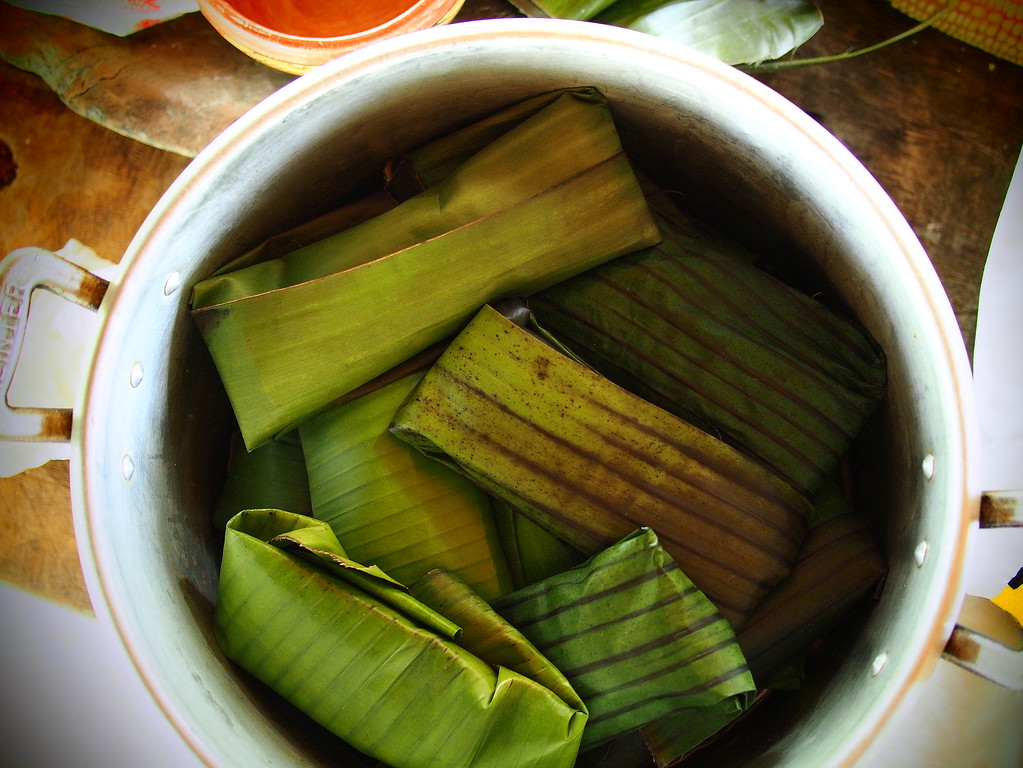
pixel 172 284
pixel 879 663
pixel 127 467
pixel 136 375
pixel 920 553
pixel 928 466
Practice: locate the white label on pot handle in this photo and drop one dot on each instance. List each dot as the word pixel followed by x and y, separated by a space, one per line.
pixel 50 367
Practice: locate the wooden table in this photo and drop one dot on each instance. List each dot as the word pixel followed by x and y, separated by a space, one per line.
pixel 938 123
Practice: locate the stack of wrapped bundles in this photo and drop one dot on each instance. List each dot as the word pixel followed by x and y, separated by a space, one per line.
pixel 528 462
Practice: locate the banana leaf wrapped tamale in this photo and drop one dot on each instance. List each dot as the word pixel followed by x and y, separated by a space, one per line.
pixel 693 326
pixel 381 668
pixel 551 197
pixel 591 462
pixel 636 640
pixel 390 506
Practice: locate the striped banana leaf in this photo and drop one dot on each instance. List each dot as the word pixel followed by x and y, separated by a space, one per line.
pixel 839 564
pixel 591 462
pixel 358 653
pixel 634 637
pixel 694 327
pixel 390 506
pixel 550 198
pixel 273 475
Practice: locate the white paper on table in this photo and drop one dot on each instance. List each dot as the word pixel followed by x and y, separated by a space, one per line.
pixel 51 370
pixel 118 17
pixel 997 554
pixel 71 697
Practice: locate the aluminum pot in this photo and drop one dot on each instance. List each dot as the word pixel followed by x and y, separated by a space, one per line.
pixel 151 430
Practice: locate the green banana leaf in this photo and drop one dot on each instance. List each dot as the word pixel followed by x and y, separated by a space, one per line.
pixel 839 564
pixel 306 233
pixel 532 552
pixel 385 671
pixel 550 198
pixel 390 506
pixel 633 635
pixel 695 327
pixel 590 462
pixel 273 475
pixel 433 162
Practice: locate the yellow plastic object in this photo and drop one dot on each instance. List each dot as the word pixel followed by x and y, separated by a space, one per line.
pixel 995 26
pixel 1010 599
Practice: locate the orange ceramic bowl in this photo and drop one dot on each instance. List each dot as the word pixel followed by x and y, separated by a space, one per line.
pixel 299 35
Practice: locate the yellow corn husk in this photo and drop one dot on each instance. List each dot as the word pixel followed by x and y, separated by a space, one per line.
pixel 550 198
pixel 590 462
pixel 413 680
pixel 994 26
pixel 391 506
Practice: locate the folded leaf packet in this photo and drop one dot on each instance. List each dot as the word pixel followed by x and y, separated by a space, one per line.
pixel 591 462
pixel 694 326
pixel 391 506
pixel 553 196
pixel 387 671
pixel 633 635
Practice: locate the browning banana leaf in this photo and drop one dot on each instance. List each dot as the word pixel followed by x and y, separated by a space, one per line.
pixel 391 506
pixel 551 197
pixel 633 635
pixel 838 565
pixel 695 327
pixel 591 462
pixel 381 668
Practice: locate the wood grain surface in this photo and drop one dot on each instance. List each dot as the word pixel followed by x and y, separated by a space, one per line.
pixel 938 123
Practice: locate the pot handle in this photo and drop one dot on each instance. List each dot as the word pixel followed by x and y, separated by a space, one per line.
pixel 988 638
pixel 21 272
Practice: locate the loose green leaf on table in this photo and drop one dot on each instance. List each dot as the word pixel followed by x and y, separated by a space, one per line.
pixel 357 652
pixel 732 31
